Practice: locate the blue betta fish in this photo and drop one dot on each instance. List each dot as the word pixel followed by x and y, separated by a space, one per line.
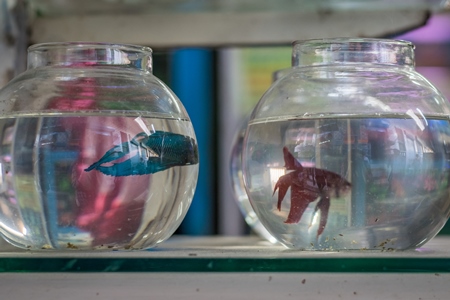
pixel 156 152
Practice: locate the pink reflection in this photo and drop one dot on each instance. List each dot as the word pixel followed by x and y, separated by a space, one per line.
pixel 109 208
pixel 437 30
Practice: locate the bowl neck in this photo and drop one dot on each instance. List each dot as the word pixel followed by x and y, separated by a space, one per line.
pixel 89 54
pixel 351 51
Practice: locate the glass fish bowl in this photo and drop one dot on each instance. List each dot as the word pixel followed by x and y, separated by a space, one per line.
pixel 96 152
pixel 350 149
pixel 237 180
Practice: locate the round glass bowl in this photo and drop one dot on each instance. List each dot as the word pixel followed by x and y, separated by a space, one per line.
pixel 96 152
pixel 350 149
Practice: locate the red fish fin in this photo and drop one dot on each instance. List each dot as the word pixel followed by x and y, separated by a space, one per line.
pixel 299 203
pixel 324 207
pixel 290 163
pixel 283 184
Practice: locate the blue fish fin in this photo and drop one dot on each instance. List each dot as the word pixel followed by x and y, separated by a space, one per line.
pixel 129 167
pixel 112 154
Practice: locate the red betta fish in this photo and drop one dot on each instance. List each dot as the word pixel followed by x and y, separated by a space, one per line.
pixel 307 184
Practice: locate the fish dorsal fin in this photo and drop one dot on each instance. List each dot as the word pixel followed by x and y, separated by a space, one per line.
pixel 290 162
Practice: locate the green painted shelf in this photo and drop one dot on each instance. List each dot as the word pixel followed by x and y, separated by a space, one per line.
pixel 230 254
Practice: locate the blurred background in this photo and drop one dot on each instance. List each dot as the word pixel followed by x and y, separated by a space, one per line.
pixel 218 56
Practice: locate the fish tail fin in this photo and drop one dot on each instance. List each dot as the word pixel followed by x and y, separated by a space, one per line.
pixel 91 167
pixel 277 186
pixel 110 171
pixel 282 185
pixel 280 200
pixel 298 207
pixel 324 206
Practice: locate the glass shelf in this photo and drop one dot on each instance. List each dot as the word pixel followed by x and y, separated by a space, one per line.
pixel 231 254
